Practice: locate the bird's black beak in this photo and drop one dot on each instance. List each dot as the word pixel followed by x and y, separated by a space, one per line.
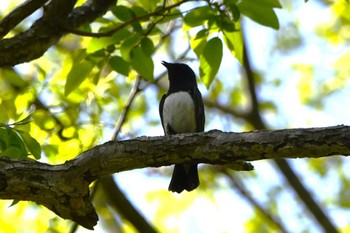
pixel 166 64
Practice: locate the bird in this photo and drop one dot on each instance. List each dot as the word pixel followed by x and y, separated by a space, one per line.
pixel 181 110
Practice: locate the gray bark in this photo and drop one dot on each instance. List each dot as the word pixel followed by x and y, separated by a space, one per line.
pixel 64 188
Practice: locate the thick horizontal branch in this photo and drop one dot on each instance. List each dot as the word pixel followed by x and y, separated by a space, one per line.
pixel 64 188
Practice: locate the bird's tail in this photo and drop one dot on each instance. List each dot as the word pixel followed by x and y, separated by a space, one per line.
pixel 185 176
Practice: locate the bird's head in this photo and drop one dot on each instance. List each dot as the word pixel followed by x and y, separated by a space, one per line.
pixel 181 76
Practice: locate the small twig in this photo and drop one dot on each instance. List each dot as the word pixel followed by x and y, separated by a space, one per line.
pixel 122 116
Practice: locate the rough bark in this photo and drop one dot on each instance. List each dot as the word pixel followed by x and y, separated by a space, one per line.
pixel 64 188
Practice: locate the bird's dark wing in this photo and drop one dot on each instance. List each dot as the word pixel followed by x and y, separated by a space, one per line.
pixel 198 103
pixel 161 104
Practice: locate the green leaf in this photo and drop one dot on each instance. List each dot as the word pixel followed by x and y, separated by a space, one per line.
pixel 15 146
pixel 3 139
pixel 25 120
pixel 198 16
pixel 147 46
pixel 142 64
pixel 268 3
pixel 210 60
pixel 14 202
pixel 12 77
pixel 123 13
pixel 77 75
pixel 268 106
pixel 149 5
pixel 234 43
pixel 260 11
pixel 13 152
pixel 139 11
pixel 32 145
pixel 199 42
pixel 119 65
pixel 15 140
pixel 234 10
pixel 50 150
pixel 227 24
pixel 127 46
pixel 137 27
pixel 100 43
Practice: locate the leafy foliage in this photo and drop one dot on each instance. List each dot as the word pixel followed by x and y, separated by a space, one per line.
pixel 210 64
pixel 16 143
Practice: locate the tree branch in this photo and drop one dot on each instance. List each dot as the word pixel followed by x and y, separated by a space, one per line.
pixel 17 15
pixel 64 188
pixel 35 41
pixel 47 30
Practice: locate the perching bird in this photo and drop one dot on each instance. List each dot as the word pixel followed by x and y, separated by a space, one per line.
pixel 181 110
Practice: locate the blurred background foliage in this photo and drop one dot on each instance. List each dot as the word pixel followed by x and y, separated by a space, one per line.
pixel 266 64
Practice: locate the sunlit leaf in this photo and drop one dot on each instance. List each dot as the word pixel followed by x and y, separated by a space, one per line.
pixel 234 43
pixel 198 43
pixel 305 85
pixel 31 144
pixel 103 42
pixel 77 75
pixel 25 120
pixel 142 64
pixel 210 60
pixel 260 12
pixel 149 5
pixel 12 76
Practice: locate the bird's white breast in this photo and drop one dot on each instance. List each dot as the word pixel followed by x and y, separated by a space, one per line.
pixel 179 112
